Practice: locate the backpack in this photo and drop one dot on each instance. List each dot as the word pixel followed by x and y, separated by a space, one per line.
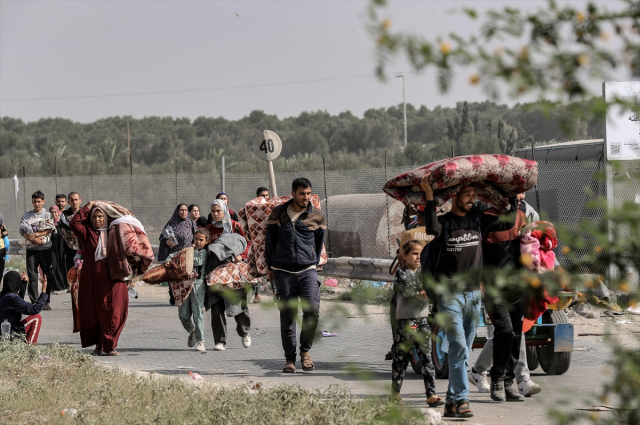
pixel 426 257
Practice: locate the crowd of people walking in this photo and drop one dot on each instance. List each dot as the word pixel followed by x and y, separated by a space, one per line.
pixel 443 243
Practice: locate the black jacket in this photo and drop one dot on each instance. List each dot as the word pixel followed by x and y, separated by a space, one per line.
pixel 295 246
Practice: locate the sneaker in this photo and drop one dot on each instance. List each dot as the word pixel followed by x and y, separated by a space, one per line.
pixel 219 347
pixel 479 380
pixel 497 390
pixel 200 346
pixel 511 391
pixel 192 339
pixel 246 341
pixel 528 388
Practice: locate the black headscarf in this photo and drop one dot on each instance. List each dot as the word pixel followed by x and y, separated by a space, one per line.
pixel 11 283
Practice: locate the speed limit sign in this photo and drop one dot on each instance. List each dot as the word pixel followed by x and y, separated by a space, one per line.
pixel 267 145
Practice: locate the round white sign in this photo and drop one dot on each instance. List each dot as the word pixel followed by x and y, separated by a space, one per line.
pixel 267 145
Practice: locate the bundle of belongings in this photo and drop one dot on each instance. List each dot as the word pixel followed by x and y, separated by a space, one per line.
pixel 34 225
pixel 537 241
pixel 253 219
pixel 495 177
pixel 129 250
pixel 223 273
pixel 178 273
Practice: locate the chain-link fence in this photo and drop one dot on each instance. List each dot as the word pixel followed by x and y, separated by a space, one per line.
pixel 362 220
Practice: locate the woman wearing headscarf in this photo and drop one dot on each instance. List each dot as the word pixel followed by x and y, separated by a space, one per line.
pixel 4 244
pixel 223 196
pixel 234 303
pixel 13 306
pixel 183 228
pixel 58 268
pixel 102 302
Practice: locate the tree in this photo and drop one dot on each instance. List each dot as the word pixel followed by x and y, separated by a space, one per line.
pixel 109 152
pixel 562 47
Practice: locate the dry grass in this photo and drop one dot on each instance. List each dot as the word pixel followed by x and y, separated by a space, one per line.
pixel 37 383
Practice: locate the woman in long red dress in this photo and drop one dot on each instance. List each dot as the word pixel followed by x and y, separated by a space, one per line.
pixel 102 302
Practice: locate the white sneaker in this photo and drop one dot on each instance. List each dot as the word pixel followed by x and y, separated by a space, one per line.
pixel 480 381
pixel 528 388
pixel 219 347
pixel 200 346
pixel 246 341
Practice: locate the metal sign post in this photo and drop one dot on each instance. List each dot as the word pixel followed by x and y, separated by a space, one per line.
pixel 267 146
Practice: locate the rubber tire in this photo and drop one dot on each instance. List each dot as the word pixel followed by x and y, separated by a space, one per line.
pixel 415 364
pixel 551 362
pixel 532 358
pixel 440 365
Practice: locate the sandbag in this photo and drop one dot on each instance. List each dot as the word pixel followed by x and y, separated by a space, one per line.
pixel 253 219
pixel 496 178
pixel 231 276
pixel 180 269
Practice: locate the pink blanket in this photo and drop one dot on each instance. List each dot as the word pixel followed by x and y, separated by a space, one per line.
pixel 496 177
pixel 253 219
pixel 536 244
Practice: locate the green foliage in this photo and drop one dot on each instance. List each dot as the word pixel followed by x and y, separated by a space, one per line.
pixel 344 140
pixel 38 382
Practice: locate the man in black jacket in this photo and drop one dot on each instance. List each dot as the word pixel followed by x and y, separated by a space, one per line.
pixel 295 234
pixel 457 250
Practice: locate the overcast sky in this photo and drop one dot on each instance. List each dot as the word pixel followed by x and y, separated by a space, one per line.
pixel 58 49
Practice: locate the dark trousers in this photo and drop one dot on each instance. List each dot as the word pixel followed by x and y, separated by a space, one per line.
pixel 507 322
pixel 409 342
pixel 3 253
pixel 392 315
pixel 219 322
pixel 290 287
pixel 68 258
pixel 43 259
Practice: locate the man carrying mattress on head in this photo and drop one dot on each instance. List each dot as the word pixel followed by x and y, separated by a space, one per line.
pixel 460 253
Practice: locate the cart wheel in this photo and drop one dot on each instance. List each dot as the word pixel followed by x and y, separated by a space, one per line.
pixel 553 363
pixel 532 358
pixel 439 357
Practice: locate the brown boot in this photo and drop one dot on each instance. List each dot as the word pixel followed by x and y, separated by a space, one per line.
pixel 305 359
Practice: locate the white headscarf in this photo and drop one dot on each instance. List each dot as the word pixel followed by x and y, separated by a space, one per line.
pixel 225 223
pixel 101 249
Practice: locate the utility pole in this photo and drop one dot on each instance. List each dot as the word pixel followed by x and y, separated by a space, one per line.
pixel 404 102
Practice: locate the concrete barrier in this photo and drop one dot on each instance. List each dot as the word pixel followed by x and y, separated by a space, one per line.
pixel 358 268
pixel 374 269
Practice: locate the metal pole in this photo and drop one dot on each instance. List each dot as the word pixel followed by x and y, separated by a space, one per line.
pixel 386 199
pixel 452 154
pixel 223 175
pixel 533 152
pixel 55 168
pixel 326 204
pixel 610 228
pixel 24 178
pixel 93 188
pixel 176 161
pixel 128 143
pixel 130 173
pixel 272 179
pixel 404 102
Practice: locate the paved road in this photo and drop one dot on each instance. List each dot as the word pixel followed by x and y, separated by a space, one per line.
pixel 153 341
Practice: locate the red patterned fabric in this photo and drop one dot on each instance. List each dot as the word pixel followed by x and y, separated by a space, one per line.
pixel 231 276
pixel 496 177
pixel 253 219
pixel 73 277
pixel 181 290
pixel 129 251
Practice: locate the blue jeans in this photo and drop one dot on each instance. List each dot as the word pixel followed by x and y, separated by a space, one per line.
pixel 462 312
